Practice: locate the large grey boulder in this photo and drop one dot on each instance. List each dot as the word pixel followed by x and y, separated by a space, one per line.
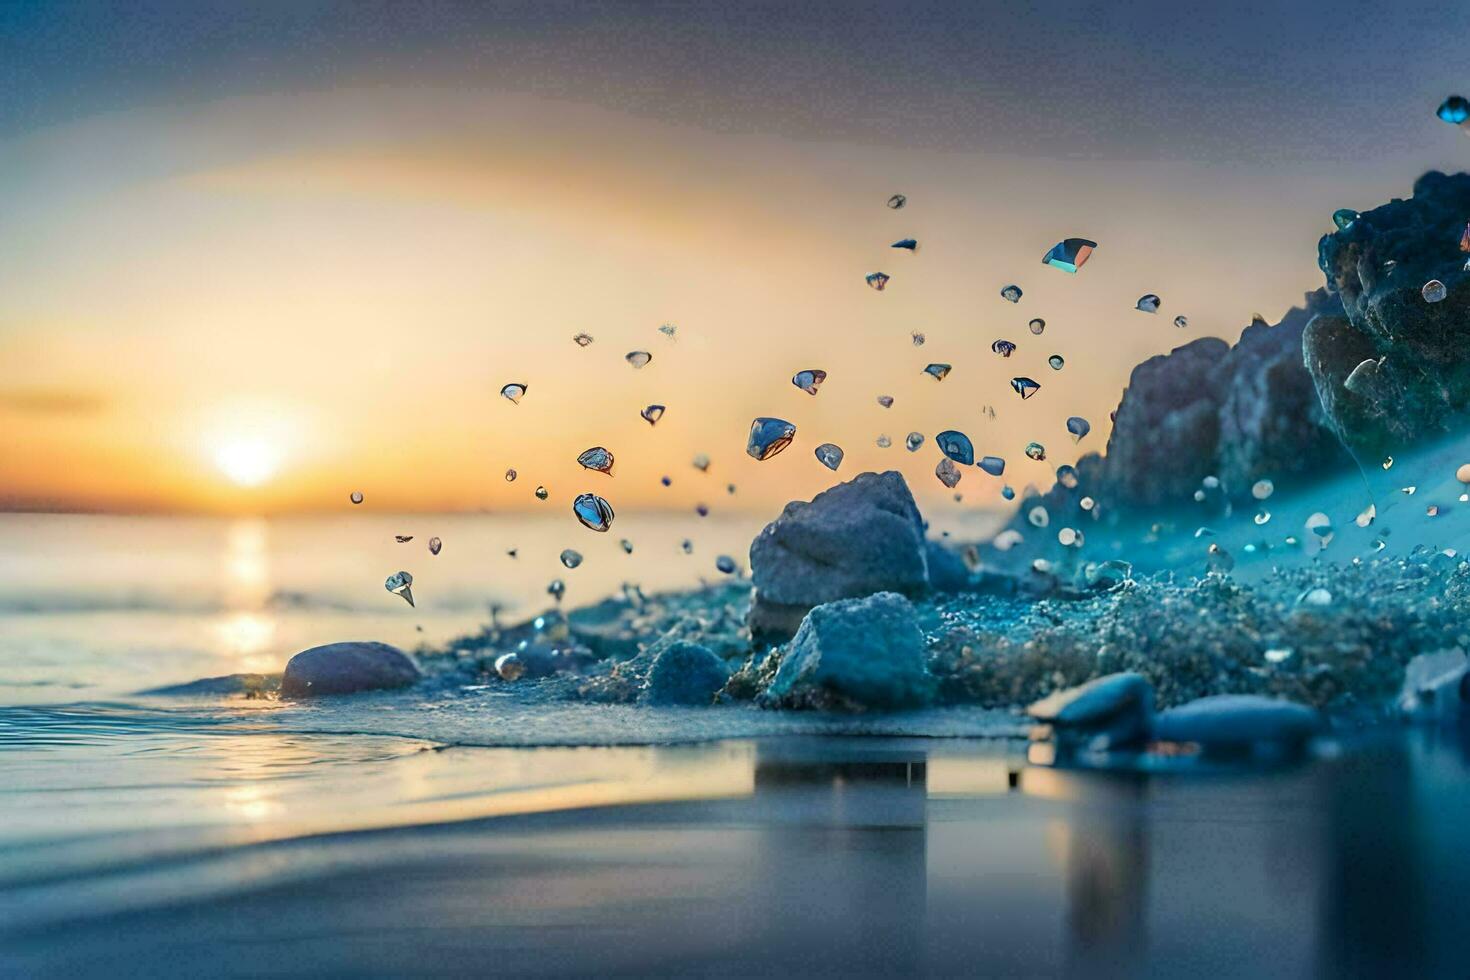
pixel 855 654
pixel 346 668
pixel 855 539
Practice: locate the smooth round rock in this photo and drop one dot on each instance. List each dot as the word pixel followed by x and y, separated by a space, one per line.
pixel 346 668
pixel 685 673
pixel 1237 719
pixel 1096 702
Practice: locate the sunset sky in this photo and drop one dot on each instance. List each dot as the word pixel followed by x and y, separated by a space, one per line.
pixel 255 257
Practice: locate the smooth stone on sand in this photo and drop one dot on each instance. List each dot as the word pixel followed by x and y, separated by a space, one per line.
pixel 346 668
pixel 1107 712
pixel 1226 720
pixel 854 654
pixel 855 539
pixel 1435 686
pixel 685 673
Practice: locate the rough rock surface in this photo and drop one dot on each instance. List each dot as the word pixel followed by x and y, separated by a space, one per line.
pixel 1377 267
pixel 854 654
pixel 685 673
pixel 855 539
pixel 345 668
pixel 1237 720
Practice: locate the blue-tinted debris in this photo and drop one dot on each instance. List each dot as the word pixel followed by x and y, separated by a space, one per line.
pixel 1079 427
pixel 810 380
pixel 1024 387
pixel 1455 110
pixel 638 358
pixel 885 400
pixel 1011 293
pixel 914 441
pixel 908 243
pixel 768 436
pixel 596 458
pixel 513 392
pixel 1148 303
pixel 1069 255
pixel 1036 451
pixel 1181 321
pixel 1056 362
pixel 593 511
pixel 938 371
pixel 399 584
pixel 897 201
pixel 829 455
pixel 652 414
pixel 957 446
pixel 1003 347
pixel 877 280
pixel 994 465
pixel 571 558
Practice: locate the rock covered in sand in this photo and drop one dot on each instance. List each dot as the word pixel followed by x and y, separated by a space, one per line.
pixel 855 654
pixel 684 673
pixel 346 668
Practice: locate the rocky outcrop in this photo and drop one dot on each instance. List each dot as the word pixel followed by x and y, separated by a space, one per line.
pixel 346 668
pixel 854 654
pixel 1392 367
pixel 685 673
pixel 855 539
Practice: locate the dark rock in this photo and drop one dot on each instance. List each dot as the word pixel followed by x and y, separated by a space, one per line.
pixel 854 654
pixel 1105 713
pixel 855 539
pixel 1377 267
pixel 1237 720
pixel 248 684
pixel 345 668
pixel 685 673
pixel 947 570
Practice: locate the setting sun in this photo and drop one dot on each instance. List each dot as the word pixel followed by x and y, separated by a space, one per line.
pixel 247 462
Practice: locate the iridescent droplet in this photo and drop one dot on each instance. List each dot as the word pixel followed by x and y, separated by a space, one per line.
pixel 1262 489
pixel 1148 303
pixel 725 564
pixel 1069 255
pixel 938 371
pixel 1079 427
pixel 435 546
pixel 1434 291
pixel 885 400
pixel 914 441
pixel 1011 293
pixel 897 201
pixel 1025 387
pixel 1036 451
pixel 597 458
pixel 1008 492
pixel 1037 326
pixel 908 244
pixel 994 465
pixel 593 511
pixel 768 436
pixel 356 497
pixel 652 414
pixel 1003 347
pixel 627 546
pixel 829 455
pixel 510 476
pixel 948 473
pixel 957 446
pixel 542 493
pixel 509 667
pixel 571 558
pixel 1344 218
pixel 582 339
pixel 398 584
pixel 1181 321
pixel 638 358
pixel 687 546
pixel 1056 362
pixel 514 392
pixel 810 380
pixel 1454 110
pixel 884 442
pixel 556 589
pixel 877 280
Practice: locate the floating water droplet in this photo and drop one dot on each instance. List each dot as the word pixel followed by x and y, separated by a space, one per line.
pixel 542 493
pixel 914 441
pixel 1454 110
pixel 582 339
pixel 571 558
pixel 509 667
pixel 948 473
pixel 514 392
pixel 597 458
pixel 1037 327
pixel 638 358
pixel 829 455
pixel 1369 514
pixel 1024 387
pixel 1218 560
pixel 1069 254
pixel 957 446
pixel 1148 303
pixel 1056 362
pixel 398 584
pixel 1409 491
pixel 725 564
pixel 897 201
pixel 1344 218
pixel 809 381
pixel 1003 347
pixel 702 510
pixel 627 546
pixel 652 414
pixel 1320 525
pixel 1078 427
pixel 556 589
pixel 1008 492
pixel 687 546
pixel 1434 291
pixel 768 436
pixel 1036 451
pixel 885 400
pixel 1011 293
pixel 356 497
pixel 918 338
pixel 938 371
pixel 435 546
pixel 1262 489
pixel 994 465
pixel 907 243
pixel 1181 321
pixel 1463 473
pixel 1069 537
pixel 1204 532
pixel 1087 503
pixel 1263 516
pixel 884 442
pixel 513 552
pixel 877 280
pixel 1038 516
pixel 403 538
pixel 1108 574
pixel 1067 476
pixel 1210 483
pixel 594 512
pixel 730 489
pixel 510 476
pixel 1278 655
pixel 701 463
pixel 1432 510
